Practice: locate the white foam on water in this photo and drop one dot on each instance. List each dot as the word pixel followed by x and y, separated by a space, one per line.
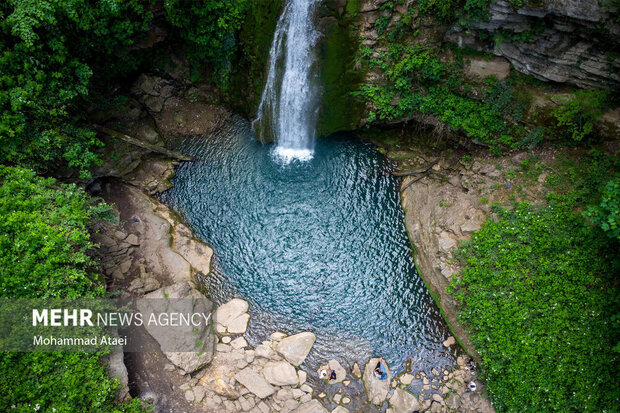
pixel 288 155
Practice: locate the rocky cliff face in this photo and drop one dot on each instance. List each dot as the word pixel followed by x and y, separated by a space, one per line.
pixel 562 42
pixel 573 42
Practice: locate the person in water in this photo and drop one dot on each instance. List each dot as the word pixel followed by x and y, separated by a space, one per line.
pixel 380 372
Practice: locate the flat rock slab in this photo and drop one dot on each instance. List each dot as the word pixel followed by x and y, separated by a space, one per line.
pixel 404 402
pixel 178 343
pixel 254 383
pixel 313 406
pixel 295 348
pixel 377 390
pixel 280 373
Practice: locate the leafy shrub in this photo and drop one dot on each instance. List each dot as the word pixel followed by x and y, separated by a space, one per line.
pixel 58 382
pixel 43 253
pixel 538 296
pixel 581 112
pixel 44 239
pixel 208 30
pixel 49 50
pixel 607 214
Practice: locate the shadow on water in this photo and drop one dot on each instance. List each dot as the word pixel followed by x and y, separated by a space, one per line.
pixel 313 246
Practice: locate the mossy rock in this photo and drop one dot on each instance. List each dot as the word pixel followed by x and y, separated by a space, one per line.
pixel 339 110
pixel 252 58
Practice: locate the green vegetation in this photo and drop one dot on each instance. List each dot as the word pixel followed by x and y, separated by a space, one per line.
pixel 44 238
pixel 539 295
pixel 44 243
pixel 59 57
pixel 579 114
pixel 418 81
pixel 207 28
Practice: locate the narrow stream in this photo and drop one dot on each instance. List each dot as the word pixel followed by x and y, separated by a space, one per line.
pixel 318 245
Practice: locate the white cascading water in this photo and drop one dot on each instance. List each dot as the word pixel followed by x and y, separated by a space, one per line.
pixel 289 105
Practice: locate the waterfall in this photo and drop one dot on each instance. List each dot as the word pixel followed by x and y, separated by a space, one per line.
pixel 288 109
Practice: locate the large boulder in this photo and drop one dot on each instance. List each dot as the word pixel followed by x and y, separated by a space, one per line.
pixel 254 383
pixel 188 347
pixel 377 390
pixel 280 373
pixel 295 348
pixel 403 402
pixel 232 317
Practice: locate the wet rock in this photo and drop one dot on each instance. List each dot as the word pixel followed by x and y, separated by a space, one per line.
pixel 295 348
pixel 377 390
pixel 406 379
pixel 254 383
pixel 449 342
pixel 340 409
pixel 357 373
pixel 403 402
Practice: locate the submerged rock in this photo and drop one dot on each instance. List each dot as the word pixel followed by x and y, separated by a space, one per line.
pixel 377 390
pixel 295 348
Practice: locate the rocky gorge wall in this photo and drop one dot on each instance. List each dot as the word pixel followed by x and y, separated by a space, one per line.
pixel 572 43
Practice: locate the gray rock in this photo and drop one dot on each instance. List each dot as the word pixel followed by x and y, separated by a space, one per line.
pixel 232 316
pixel 239 343
pixel 295 348
pixel 118 370
pixel 403 402
pixel 176 343
pixel 335 366
pixel 280 373
pixel 377 390
pixel 154 103
pixel 313 406
pixel 254 383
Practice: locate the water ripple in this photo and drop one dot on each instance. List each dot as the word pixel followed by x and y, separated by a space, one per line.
pixel 317 245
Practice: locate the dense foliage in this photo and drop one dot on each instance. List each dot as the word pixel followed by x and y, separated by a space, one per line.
pixel 419 82
pixel 539 295
pixel 579 114
pixel 208 30
pixel 607 213
pixel 49 51
pixel 56 53
pixel 44 239
pixel 44 243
